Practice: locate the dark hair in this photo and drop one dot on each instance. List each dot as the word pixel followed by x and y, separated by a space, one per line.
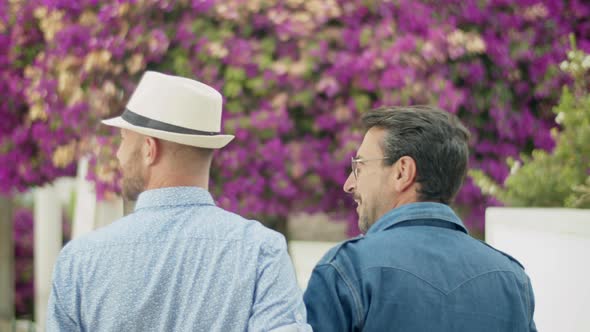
pixel 435 139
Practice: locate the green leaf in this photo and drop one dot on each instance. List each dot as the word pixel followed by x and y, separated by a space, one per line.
pixel 236 74
pixel 361 101
pixel 303 98
pixel 234 106
pixel 366 36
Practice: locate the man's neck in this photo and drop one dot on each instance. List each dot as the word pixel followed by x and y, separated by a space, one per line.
pixel 176 180
pixel 407 197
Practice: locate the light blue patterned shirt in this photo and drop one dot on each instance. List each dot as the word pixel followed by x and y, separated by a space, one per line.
pixel 177 263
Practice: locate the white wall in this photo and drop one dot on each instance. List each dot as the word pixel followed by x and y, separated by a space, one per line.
pixel 305 256
pixel 554 247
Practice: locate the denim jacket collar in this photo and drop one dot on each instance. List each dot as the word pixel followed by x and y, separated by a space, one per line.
pixel 417 211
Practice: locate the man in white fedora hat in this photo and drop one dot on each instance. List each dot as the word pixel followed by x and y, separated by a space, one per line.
pixel 178 262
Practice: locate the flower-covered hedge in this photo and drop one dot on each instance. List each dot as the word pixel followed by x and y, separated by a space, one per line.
pixel 560 178
pixel 296 74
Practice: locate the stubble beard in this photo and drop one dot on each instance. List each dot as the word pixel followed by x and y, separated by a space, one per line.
pixel 132 187
pixel 133 182
pixel 367 216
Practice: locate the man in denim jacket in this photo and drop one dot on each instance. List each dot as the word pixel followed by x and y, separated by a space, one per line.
pixel 416 268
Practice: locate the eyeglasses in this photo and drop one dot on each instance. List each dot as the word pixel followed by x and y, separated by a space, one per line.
pixel 355 161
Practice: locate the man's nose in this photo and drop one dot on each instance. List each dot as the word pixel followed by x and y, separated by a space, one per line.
pixel 349 184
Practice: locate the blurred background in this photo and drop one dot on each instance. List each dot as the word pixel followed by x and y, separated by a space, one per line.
pixel 295 75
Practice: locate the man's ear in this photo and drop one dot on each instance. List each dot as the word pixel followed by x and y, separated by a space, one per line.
pixel 405 173
pixel 152 150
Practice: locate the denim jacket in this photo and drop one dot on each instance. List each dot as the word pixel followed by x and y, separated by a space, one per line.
pixel 417 269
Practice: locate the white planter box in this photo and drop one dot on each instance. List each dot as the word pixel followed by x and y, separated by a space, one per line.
pixel 553 244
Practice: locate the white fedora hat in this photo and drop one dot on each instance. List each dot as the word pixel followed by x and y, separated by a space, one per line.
pixel 175 109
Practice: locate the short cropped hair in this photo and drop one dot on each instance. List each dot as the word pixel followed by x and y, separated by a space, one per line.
pixel 436 140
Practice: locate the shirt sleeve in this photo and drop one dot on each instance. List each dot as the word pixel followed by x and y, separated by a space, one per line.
pixel 57 318
pixel 60 316
pixel 531 296
pixel 331 302
pixel 278 303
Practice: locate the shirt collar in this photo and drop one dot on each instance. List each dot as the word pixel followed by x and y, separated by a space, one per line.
pixel 173 196
pixel 417 211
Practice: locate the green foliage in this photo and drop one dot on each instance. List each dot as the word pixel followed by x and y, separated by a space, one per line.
pixel 560 177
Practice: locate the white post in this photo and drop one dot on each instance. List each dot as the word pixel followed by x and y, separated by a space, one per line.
pixel 85 202
pixel 90 214
pixel 48 243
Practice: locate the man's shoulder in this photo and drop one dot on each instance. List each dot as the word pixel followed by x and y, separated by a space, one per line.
pixel 342 248
pixel 267 238
pixel 99 237
pixel 238 227
pixel 511 259
pixel 72 254
pixel 367 244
